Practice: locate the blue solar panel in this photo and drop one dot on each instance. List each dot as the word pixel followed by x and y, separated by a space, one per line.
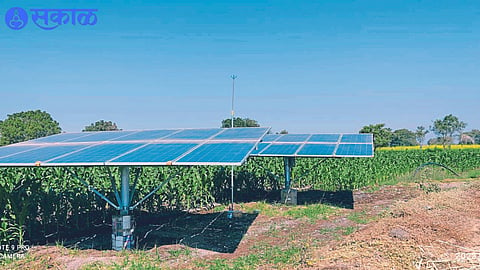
pixel 61 137
pixel 41 154
pixel 218 152
pixel 259 148
pixel 99 153
pixel 156 153
pixel 9 150
pixel 293 138
pixel 146 135
pixel 152 147
pixel 317 150
pixel 241 133
pixel 281 149
pixel 324 138
pixel 311 145
pixel 195 134
pixel 101 136
pixel 271 137
pixel 356 138
pixel 354 150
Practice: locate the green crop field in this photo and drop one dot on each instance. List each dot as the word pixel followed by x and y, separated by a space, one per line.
pixel 36 203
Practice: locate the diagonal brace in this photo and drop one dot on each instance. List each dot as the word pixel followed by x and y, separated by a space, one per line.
pixel 91 188
pixel 114 186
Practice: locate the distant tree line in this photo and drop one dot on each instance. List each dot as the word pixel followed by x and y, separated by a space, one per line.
pixel 30 125
pixel 446 130
pixel 239 122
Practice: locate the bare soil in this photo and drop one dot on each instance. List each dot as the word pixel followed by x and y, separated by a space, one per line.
pixel 392 227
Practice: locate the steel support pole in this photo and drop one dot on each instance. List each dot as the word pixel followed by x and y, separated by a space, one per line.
pixel 230 212
pixel 125 190
pixel 288 164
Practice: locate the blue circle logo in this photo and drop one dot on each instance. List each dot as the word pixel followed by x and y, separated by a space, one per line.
pixel 16 18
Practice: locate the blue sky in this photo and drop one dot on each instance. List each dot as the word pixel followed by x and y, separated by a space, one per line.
pixel 304 66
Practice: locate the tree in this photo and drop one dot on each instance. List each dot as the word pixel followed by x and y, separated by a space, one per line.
pixel 239 122
pixel 440 140
pixel 382 136
pixel 403 137
pixel 420 134
pixel 101 125
pixel 447 127
pixel 466 139
pixel 29 125
pixel 283 131
pixel 475 134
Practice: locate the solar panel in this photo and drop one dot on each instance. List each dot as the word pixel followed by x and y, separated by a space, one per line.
pixel 97 154
pixel 101 136
pixel 213 146
pixel 37 153
pixel 281 150
pixel 293 138
pixel 324 138
pixel 61 137
pixel 146 135
pixel 10 150
pixel 240 133
pixel 354 150
pixel 317 150
pixel 356 138
pixel 211 153
pixel 197 134
pixel 259 148
pixel 271 137
pixel 316 145
pixel 163 153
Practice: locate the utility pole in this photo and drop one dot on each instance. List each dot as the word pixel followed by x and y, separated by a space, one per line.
pixel 230 212
pixel 233 97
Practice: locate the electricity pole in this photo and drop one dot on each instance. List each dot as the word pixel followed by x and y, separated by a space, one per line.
pixel 230 213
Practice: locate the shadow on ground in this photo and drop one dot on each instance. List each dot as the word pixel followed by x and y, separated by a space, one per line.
pixel 211 231
pixel 342 198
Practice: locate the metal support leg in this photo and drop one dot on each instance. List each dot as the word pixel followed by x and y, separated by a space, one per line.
pixel 90 188
pixel 288 163
pixel 230 211
pixel 125 190
pixel 288 195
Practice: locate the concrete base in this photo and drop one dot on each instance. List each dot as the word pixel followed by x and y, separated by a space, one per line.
pixel 122 232
pixel 288 196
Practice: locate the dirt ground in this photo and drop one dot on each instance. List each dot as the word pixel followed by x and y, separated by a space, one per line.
pixel 390 227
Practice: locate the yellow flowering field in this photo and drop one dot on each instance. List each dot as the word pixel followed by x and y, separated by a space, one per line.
pixel 436 146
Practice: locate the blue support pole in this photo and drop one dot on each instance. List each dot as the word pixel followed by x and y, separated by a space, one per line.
pixel 125 190
pixel 288 165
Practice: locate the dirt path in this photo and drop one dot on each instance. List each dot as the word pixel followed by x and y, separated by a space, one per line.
pixel 431 231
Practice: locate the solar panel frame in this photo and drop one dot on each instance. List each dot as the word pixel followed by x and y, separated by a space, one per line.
pixel 315 141
pixel 84 144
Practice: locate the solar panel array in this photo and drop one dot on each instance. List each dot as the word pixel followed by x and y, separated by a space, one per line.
pixel 213 146
pixel 315 145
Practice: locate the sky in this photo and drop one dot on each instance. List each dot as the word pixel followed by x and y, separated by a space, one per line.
pixel 304 66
